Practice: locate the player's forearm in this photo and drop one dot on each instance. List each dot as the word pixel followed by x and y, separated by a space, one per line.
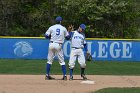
pixel 85 47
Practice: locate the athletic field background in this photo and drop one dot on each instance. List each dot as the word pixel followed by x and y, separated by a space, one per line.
pixel 18 66
pixel 37 67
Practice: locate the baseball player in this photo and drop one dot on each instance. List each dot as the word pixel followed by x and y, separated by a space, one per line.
pixel 57 33
pixel 77 44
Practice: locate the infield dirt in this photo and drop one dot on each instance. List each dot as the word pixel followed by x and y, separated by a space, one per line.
pixel 38 84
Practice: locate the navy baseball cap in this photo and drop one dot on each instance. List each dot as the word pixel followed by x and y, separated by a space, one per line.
pixel 83 26
pixel 58 18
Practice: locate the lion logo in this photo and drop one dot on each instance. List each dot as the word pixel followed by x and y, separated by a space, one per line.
pixel 23 49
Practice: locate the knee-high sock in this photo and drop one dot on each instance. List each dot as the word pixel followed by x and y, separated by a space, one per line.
pixel 71 72
pixel 64 70
pixel 82 71
pixel 48 67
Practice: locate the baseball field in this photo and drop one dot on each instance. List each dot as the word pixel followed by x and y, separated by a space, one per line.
pixel 27 76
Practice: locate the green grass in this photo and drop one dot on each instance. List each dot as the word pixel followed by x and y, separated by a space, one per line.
pixel 12 66
pixel 118 90
pixel 16 66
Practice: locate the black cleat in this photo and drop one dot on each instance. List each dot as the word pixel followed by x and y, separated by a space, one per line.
pixel 84 77
pixel 64 78
pixel 71 78
pixel 49 78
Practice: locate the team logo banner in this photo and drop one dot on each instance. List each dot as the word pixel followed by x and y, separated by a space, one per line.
pixel 22 49
pixel 124 50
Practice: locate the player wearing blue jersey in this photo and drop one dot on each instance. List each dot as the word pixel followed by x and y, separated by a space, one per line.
pixel 78 42
pixel 56 33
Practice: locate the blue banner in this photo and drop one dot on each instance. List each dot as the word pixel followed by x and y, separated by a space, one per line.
pixel 114 50
pixel 24 48
pixel 35 48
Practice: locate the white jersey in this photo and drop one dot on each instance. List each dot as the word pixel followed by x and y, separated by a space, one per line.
pixel 78 40
pixel 57 32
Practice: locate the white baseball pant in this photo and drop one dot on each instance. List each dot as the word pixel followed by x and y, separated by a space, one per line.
pixel 77 53
pixel 55 49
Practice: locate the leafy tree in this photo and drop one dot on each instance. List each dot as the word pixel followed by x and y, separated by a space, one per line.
pixel 104 18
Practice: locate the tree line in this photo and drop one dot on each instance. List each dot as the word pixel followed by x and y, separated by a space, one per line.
pixel 103 18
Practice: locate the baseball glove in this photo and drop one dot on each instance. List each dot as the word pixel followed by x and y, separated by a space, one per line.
pixel 88 57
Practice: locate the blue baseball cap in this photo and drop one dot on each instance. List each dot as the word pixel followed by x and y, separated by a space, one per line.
pixel 83 26
pixel 58 18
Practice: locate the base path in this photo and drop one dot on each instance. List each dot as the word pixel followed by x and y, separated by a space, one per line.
pixel 38 84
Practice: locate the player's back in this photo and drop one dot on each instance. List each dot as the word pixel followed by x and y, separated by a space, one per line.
pixel 58 33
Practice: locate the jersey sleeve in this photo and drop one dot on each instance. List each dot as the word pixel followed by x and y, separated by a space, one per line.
pixel 85 42
pixel 48 32
pixel 67 35
pixel 66 32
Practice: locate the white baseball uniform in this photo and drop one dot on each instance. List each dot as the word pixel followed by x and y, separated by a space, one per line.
pixel 58 34
pixel 77 45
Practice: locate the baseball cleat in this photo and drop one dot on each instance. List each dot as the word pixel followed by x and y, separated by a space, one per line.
pixel 84 77
pixel 49 78
pixel 64 78
pixel 71 78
